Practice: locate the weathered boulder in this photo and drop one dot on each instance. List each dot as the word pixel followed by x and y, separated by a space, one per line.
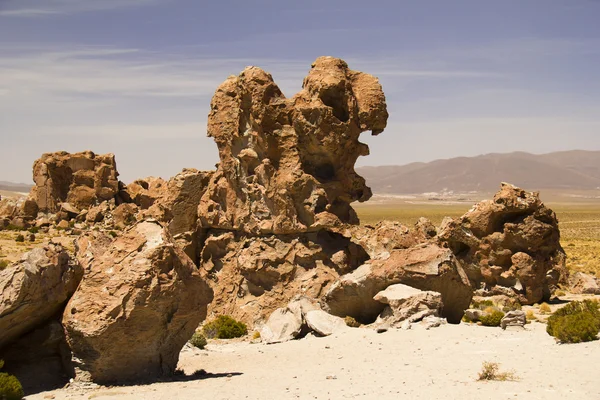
pixel 406 303
pixel 581 283
pixel 426 267
pixel 143 192
pixel 179 200
pixel 80 179
pixel 253 276
pixel 35 289
pixel 283 325
pixel 324 324
pixel 287 165
pixel 138 304
pixel 515 318
pixel 510 242
pixel 124 215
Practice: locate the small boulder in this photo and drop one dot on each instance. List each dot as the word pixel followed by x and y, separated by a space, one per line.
pixel 283 325
pixel 582 283
pixel 515 318
pixel 407 304
pixel 324 324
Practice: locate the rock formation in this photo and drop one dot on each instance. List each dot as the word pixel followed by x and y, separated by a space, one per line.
pixel 274 213
pixel 287 165
pixel 509 245
pixel 81 179
pixel 136 307
pixel 425 267
pixel 35 289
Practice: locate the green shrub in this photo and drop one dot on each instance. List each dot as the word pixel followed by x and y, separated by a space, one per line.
pixel 10 387
pixel 482 304
pixel 113 234
pixel 492 319
pixel 578 321
pixel 20 238
pixel 3 264
pixel 351 322
pixel 224 327
pixel 198 340
pixel 491 372
pixel 34 230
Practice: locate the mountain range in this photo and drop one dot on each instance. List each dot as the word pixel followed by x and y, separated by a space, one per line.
pixel 565 170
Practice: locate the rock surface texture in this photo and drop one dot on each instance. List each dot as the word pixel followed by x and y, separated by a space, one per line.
pixel 35 290
pixel 136 307
pixel 287 165
pixel 274 214
pixel 81 179
pixel 509 245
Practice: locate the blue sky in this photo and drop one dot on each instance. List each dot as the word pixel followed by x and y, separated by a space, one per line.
pixel 135 77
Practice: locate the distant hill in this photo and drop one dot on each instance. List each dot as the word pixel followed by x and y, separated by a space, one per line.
pixel 15 187
pixel 566 170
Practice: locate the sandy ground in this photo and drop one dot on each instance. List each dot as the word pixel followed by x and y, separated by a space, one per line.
pixel 441 363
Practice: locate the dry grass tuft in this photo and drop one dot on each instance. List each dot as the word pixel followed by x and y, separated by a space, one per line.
pixel 490 371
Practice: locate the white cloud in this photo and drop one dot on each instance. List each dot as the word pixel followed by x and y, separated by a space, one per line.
pixel 37 8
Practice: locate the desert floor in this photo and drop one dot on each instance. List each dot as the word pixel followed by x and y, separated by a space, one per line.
pixel 440 363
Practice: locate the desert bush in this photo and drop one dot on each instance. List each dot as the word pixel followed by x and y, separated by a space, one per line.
pixel 482 304
pixel 20 238
pixel 530 316
pixel 351 322
pixel 224 327
pixel 560 292
pixel 545 308
pixel 10 387
pixel 3 264
pixel 33 229
pixel 490 371
pixel 578 321
pixel 113 234
pixel 256 335
pixel 491 318
pixel 198 340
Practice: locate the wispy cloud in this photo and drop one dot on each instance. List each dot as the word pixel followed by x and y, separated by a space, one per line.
pixel 33 8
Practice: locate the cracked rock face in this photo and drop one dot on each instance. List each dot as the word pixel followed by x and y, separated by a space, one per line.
pixel 287 165
pixel 80 179
pixel 139 302
pixel 509 245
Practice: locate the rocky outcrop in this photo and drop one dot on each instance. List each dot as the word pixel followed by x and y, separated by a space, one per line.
pixel 582 283
pixel 138 304
pixel 510 244
pixel 144 192
pixel 35 289
pixel 514 319
pixel 253 276
pixel 407 304
pixel 80 179
pixel 287 165
pixel 425 267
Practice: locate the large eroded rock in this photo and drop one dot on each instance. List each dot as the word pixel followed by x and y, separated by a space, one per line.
pixel 80 179
pixel 35 289
pixel 139 302
pixel 425 267
pixel 287 165
pixel 510 244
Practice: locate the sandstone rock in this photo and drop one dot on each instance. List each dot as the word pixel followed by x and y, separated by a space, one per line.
pixel 287 165
pixel 425 267
pixel 97 213
pixel 324 324
pixel 80 179
pixel 138 304
pixel 124 215
pixel 8 208
pixel 253 276
pixel 144 192
pixel 473 314
pixel 516 318
pixel 283 325
pixel 581 283
pixel 35 289
pixel 407 304
pixel 64 224
pixel 178 203
pixel 511 242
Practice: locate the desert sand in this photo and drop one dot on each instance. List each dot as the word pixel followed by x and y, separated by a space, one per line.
pixel 440 363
